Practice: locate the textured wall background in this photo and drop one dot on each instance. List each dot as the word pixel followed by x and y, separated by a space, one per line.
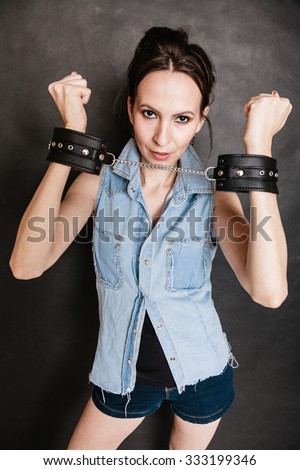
pixel 49 325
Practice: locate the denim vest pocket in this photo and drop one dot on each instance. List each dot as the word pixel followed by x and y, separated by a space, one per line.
pixel 108 259
pixel 186 264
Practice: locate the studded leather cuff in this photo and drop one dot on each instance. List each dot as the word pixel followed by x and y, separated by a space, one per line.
pixel 79 150
pixel 245 172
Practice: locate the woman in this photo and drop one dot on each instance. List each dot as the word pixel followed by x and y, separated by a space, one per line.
pixel 160 337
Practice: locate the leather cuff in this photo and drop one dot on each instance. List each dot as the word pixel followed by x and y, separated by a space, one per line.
pixel 245 172
pixel 234 172
pixel 81 151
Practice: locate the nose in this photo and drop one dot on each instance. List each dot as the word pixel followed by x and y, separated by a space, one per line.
pixel 163 134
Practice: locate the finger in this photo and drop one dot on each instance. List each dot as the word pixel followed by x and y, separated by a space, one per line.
pixel 253 99
pixel 264 94
pixel 64 80
pixel 69 87
pixel 82 82
pixel 85 95
pixel 73 91
pixel 261 95
pixel 72 76
pixel 248 105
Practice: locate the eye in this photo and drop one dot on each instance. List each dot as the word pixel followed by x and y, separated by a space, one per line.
pixel 149 114
pixel 182 119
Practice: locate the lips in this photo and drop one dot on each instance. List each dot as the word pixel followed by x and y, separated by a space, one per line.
pixel 160 155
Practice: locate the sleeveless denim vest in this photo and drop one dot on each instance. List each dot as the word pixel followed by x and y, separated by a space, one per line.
pixel 163 269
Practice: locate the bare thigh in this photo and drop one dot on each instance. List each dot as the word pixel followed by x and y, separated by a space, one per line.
pixel 189 436
pixel 96 430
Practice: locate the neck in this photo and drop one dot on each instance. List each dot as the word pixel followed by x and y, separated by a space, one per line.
pixel 157 179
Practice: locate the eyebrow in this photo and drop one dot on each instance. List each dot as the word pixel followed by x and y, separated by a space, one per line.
pixel 145 105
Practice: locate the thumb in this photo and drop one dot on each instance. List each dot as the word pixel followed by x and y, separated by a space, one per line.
pixel 85 95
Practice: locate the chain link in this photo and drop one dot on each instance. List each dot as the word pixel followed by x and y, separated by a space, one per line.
pixel 157 166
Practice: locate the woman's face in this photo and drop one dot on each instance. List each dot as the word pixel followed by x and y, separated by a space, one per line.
pixel 165 115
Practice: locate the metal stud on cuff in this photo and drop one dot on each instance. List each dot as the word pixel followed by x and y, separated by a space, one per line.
pixel 77 150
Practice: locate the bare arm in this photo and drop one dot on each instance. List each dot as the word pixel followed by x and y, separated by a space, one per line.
pixel 256 250
pixel 32 255
pixel 59 221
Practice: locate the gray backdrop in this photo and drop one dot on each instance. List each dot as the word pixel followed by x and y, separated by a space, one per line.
pixel 49 325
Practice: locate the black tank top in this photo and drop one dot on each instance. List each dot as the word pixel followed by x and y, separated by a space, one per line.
pixel 152 365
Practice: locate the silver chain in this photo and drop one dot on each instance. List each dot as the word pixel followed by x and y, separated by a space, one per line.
pixel 157 166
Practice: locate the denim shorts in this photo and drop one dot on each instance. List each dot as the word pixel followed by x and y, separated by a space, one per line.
pixel 202 403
